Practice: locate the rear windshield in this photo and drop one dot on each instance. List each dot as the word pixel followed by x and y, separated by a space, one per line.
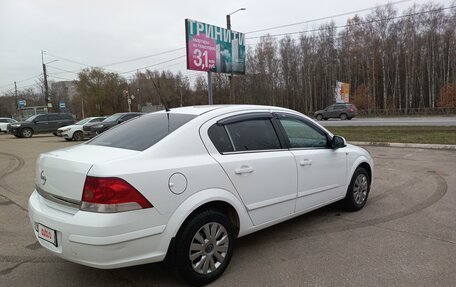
pixel 113 118
pixel 142 132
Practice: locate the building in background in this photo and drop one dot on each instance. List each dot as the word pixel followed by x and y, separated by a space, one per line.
pixel 64 90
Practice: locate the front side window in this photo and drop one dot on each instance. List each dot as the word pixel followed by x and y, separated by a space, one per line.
pixel 40 118
pixel 302 135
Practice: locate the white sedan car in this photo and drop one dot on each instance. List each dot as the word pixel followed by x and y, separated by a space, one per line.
pixel 75 132
pixel 186 183
pixel 4 123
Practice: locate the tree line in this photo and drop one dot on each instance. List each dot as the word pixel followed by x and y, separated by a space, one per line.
pixel 393 63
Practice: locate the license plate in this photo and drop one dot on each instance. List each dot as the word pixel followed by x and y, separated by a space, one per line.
pixel 47 234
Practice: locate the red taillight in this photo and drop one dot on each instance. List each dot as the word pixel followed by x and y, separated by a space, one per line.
pixel 111 194
pixel 350 110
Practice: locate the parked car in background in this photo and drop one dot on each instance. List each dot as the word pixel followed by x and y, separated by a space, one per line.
pixel 40 124
pixel 74 132
pixel 115 119
pixel 342 111
pixel 4 124
pixel 187 183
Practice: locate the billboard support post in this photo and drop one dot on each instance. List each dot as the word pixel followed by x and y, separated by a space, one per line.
pixel 209 88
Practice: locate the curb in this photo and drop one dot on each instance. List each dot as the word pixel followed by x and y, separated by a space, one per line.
pixel 408 145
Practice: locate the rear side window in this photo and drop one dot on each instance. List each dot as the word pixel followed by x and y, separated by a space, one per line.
pixel 253 134
pixel 219 137
pixel 142 132
pixel 52 117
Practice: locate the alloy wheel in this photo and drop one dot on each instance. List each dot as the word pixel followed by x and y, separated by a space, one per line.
pixel 360 189
pixel 208 248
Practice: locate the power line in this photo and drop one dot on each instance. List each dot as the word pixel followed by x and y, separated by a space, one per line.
pixel 164 62
pixel 64 71
pixel 324 18
pixel 354 24
pixel 66 59
pixel 52 76
pixel 20 81
pixel 143 57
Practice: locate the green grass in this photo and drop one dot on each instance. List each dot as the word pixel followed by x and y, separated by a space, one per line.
pixel 398 134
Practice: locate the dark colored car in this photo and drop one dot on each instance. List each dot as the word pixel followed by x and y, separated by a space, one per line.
pixel 95 129
pixel 342 111
pixel 40 124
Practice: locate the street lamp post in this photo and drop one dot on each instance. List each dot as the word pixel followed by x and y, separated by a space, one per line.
pixel 228 27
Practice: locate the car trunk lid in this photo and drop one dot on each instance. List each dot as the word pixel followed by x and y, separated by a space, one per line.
pixel 61 174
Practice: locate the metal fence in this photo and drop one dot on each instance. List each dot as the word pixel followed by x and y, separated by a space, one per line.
pixel 408 112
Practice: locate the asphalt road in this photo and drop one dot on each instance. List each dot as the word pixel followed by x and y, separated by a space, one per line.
pixel 402 121
pixel 405 236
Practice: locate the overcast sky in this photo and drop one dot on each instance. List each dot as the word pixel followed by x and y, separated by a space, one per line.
pixel 82 33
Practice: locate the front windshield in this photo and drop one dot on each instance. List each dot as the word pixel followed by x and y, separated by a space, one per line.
pixel 113 118
pixel 83 121
pixel 31 118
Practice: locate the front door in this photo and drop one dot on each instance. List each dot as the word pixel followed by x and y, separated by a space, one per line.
pixel 41 124
pixel 322 170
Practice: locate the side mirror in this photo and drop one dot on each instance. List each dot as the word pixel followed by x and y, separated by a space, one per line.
pixel 338 142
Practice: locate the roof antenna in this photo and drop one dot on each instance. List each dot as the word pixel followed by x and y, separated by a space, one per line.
pixel 159 95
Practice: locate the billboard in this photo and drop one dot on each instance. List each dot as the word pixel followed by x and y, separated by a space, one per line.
pixel 215 49
pixel 342 92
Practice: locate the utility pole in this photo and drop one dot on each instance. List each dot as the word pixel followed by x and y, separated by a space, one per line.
pixel 46 88
pixel 17 101
pixel 230 77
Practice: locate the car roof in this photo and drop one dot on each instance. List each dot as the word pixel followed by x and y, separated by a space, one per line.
pixel 220 109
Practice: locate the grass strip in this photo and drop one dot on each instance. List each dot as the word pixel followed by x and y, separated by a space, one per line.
pixel 398 134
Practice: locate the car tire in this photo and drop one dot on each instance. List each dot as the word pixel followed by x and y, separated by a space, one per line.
pixel 319 117
pixel 78 136
pixel 199 252
pixel 343 117
pixel 54 134
pixel 26 133
pixel 68 139
pixel 358 190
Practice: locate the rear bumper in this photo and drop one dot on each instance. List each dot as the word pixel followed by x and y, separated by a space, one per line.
pixel 100 240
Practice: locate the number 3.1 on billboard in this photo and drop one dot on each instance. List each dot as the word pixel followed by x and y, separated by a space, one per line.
pixel 200 59
pixel 202 53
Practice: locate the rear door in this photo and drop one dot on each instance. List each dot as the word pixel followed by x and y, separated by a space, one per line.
pixel 253 157
pixel 55 122
pixel 322 171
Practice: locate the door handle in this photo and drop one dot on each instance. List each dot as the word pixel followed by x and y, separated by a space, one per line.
pixel 305 162
pixel 243 170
